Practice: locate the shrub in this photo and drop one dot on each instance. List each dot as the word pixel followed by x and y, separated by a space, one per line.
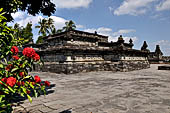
pixel 15 81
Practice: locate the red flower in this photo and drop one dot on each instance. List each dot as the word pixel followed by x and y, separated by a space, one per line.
pixel 47 83
pixel 8 67
pixel 28 52
pixel 36 57
pixel 21 74
pixel 23 83
pixel 15 57
pixel 33 83
pixel 14 50
pixel 37 79
pixel 11 81
pixel 19 83
pixel 28 92
pixel 3 80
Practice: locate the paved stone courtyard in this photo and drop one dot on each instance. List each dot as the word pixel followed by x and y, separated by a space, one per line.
pixel 142 91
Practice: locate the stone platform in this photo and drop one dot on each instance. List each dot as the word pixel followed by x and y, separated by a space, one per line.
pixel 141 91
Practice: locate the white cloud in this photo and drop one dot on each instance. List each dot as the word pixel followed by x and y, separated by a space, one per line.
pixel 72 3
pixel 164 5
pixel 23 18
pixel 126 38
pixel 79 26
pixel 124 31
pixel 18 15
pixel 101 30
pixel 59 22
pixel 111 9
pixel 133 7
pixel 113 36
pixel 162 42
pixel 156 16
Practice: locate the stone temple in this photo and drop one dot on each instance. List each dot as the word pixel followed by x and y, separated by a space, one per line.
pixel 76 51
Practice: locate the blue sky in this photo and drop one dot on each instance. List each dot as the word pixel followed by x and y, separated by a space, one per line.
pixel 137 19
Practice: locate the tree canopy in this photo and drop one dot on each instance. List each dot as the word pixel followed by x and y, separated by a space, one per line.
pixel 23 32
pixel 46 27
pixel 69 26
pixel 46 7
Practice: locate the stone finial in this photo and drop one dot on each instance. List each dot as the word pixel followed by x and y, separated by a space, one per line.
pixel 158 50
pixel 130 41
pixel 145 45
pixel 95 32
pixel 120 39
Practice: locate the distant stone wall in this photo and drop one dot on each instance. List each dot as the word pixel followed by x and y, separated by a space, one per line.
pixel 166 59
pixel 71 67
pixel 119 57
pixel 133 65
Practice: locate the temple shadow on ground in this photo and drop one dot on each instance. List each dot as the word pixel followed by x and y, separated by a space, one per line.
pixel 66 111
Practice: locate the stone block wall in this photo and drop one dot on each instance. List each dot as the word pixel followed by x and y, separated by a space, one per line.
pixel 132 65
pixel 71 67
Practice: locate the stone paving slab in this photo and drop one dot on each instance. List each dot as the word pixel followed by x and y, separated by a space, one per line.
pixel 141 91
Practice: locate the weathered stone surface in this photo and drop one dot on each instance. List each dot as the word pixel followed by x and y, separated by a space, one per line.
pixel 75 51
pixel 140 91
pixel 69 68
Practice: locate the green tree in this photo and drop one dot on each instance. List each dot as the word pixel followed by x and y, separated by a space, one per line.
pixel 25 33
pixel 50 23
pixel 39 40
pixel 54 31
pixel 46 7
pixel 43 27
pixel 69 26
pixel 46 27
pixel 17 31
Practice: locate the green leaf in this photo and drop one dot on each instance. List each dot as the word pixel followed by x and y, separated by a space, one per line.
pixel 7 52
pixel 30 99
pixel 31 86
pixel 27 77
pixel 1 66
pixel 25 62
pixel 22 94
pixel 1 96
pixel 14 69
pixel 35 93
pixel 11 89
pixel 24 90
pixel 5 60
pixel 43 89
pixel 1 9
